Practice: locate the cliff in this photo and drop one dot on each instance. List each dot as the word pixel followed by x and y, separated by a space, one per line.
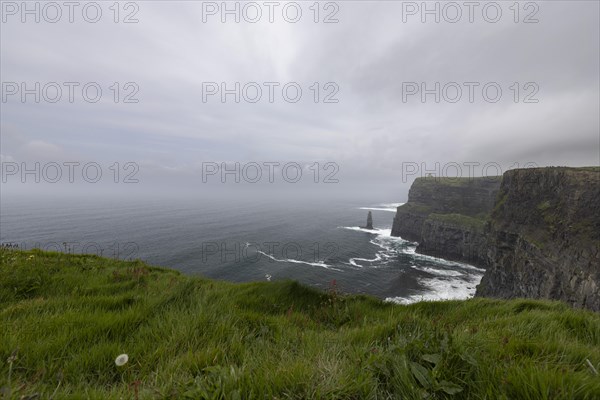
pixel 454 237
pixel 543 239
pixel 447 215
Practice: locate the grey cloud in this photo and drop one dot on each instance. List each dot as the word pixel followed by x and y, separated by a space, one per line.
pixel 369 54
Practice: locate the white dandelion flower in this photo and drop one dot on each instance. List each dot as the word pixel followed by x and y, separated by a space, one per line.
pixel 121 360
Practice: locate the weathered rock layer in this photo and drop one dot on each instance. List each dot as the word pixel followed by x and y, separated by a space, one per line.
pixel 543 237
pixel 446 216
pixel 454 237
pixel 537 233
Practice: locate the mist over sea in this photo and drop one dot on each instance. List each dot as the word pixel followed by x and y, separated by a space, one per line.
pixel 241 241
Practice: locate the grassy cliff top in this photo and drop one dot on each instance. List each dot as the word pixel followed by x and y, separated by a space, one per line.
pixel 65 318
pixel 468 196
pixel 571 169
pixel 454 182
pixel 414 208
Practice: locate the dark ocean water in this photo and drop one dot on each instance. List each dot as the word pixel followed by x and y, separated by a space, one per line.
pixel 239 241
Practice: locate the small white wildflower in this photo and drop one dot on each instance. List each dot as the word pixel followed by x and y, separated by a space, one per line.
pixel 121 360
pixel 268 277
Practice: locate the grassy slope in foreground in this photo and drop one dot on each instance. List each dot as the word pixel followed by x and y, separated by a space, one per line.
pixel 69 316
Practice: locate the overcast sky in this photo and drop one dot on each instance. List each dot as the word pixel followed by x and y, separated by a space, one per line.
pixel 371 59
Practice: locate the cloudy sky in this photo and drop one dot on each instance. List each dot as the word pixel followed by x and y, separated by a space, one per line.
pixel 366 68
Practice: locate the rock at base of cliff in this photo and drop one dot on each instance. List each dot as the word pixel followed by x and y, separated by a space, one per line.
pixel 369 221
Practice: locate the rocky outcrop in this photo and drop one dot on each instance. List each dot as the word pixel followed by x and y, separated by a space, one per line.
pixel 543 238
pixel 369 221
pixel 537 233
pixel 446 216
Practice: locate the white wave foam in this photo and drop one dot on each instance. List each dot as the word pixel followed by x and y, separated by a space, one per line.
pixel 388 251
pixel 384 233
pixel 455 282
pixel 392 204
pixel 383 207
pixel 359 229
pixel 291 260
pixel 439 289
pixel 383 239
pixel 436 271
pixel 352 261
pixel 412 251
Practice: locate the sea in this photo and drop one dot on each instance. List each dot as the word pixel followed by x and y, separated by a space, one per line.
pixel 318 243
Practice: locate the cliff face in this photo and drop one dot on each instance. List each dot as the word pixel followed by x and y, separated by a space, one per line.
pixel 543 239
pixel 454 237
pixel 537 233
pixel 446 216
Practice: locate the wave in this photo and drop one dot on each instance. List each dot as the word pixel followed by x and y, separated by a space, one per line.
pixel 380 232
pixel 377 209
pixel 436 271
pixel 383 207
pixel 439 289
pixel 291 260
pixel 352 261
pixel 413 252
pixel 360 229
pixel 382 238
pixel 452 280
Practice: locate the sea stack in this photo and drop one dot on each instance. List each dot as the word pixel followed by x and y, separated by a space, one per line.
pixel 369 221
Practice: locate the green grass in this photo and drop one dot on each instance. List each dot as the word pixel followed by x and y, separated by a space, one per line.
pixel 65 318
pixel 453 181
pixel 563 168
pixel 500 200
pixel 414 208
